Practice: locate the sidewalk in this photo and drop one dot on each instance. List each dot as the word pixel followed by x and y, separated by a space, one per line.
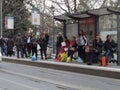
pixel 112 71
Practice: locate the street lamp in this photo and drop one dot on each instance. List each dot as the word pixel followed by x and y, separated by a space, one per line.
pixel 53 10
pixel 1 28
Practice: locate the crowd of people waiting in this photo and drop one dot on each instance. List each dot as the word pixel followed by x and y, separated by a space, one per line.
pixel 87 52
pixel 26 45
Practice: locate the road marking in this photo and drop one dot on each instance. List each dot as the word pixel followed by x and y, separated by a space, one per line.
pixel 45 80
pixel 19 84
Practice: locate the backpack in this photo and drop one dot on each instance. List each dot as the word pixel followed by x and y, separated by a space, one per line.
pixel 18 41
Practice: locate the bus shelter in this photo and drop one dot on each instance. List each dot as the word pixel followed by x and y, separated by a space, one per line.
pixel 88 21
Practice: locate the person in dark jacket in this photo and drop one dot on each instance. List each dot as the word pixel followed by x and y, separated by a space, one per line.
pixel 29 45
pixel 58 43
pixel 43 46
pixel 96 50
pixel 3 46
pixel 19 44
pixel 47 36
pixel 34 46
pixel 109 47
pixel 10 45
pixel 24 38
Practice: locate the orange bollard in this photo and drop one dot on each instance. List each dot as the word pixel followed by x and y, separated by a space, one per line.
pixel 103 61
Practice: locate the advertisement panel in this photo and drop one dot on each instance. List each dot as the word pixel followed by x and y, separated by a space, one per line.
pixel 9 22
pixel 35 18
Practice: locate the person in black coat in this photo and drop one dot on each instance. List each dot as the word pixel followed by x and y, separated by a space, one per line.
pixel 10 45
pixel 19 44
pixel 2 46
pixel 34 46
pixel 42 41
pixel 96 50
pixel 24 38
pixel 29 45
pixel 58 43
pixel 109 47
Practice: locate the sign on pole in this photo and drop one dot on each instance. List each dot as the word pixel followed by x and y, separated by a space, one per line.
pixel 35 17
pixel 9 22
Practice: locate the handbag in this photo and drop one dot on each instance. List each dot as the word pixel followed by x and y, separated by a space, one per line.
pixel 113 49
pixel 79 60
pixel 87 49
pixel 34 58
pixel 65 49
pixel 72 48
pixel 96 51
pixel 63 44
pixel 28 41
pixel 38 47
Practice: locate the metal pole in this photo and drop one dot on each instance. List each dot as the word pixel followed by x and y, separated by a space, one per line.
pixel 118 39
pixel 1 28
pixel 64 28
pixel 53 33
pixel 52 10
pixel 75 10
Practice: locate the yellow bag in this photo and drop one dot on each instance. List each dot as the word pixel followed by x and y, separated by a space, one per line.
pixel 68 60
pixel 63 57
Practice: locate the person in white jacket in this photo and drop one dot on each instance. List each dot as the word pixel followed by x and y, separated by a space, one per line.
pixel 81 42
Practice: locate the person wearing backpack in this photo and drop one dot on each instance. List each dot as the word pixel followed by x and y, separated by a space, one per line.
pixel 19 44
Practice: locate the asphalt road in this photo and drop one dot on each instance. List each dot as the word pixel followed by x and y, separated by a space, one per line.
pixel 22 77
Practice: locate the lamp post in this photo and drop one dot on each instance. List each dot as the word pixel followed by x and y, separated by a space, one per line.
pixel 52 11
pixel 1 27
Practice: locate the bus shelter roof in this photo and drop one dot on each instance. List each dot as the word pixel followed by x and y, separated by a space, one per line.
pixel 89 13
pixel 62 17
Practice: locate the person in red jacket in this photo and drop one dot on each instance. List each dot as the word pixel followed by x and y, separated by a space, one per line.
pixel 65 47
pixel 72 47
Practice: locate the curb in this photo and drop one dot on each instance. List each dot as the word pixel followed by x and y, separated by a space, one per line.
pixel 77 68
